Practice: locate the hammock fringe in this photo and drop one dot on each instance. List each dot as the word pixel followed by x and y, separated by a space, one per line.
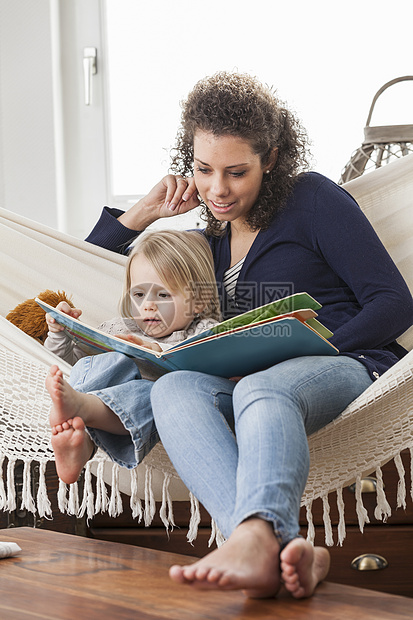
pixel 95 499
pixel 370 431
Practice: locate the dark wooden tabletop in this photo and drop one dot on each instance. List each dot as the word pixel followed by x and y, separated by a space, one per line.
pixel 66 577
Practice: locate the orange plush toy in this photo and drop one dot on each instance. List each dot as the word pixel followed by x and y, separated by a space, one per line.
pixel 29 316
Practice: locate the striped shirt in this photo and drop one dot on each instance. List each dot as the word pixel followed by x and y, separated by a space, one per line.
pixel 231 276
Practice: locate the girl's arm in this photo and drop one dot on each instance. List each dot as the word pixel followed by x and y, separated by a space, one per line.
pixel 60 344
pixel 58 341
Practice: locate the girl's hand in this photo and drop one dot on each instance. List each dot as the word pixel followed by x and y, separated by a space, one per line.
pixel 152 346
pixel 63 306
pixel 173 195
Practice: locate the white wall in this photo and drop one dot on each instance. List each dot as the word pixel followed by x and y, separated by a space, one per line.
pixel 27 151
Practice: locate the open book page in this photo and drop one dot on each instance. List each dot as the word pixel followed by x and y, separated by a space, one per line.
pixel 306 316
pixel 300 305
pixel 241 348
pixel 95 340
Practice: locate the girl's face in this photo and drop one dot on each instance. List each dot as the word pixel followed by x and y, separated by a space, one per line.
pixel 228 175
pixel 157 311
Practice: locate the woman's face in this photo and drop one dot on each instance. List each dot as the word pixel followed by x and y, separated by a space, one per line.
pixel 228 175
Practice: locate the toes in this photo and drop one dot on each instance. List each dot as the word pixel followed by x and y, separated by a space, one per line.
pixel 290 578
pixel 216 575
pixel 56 375
pixel 176 574
pixel 53 370
pixel 297 592
pixel 293 552
pixel 287 569
pixel 189 573
pixel 77 423
pixel 202 573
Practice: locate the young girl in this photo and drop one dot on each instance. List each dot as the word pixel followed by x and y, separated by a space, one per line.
pixel 169 294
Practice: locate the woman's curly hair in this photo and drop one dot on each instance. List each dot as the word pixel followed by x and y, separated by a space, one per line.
pixel 239 105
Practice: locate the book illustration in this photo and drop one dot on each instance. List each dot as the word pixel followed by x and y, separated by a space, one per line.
pixel 239 346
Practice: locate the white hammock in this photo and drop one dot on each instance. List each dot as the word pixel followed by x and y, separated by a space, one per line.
pixel 374 429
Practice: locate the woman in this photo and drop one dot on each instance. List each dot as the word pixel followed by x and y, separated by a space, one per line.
pixel 240 446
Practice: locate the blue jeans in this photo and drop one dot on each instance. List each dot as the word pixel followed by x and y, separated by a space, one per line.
pixel 116 380
pixel 241 448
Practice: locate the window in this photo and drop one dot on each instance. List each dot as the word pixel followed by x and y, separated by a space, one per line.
pixel 150 54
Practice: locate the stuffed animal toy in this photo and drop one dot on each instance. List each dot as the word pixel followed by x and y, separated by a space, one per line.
pixel 30 317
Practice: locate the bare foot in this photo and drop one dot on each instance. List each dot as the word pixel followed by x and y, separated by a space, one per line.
pixel 72 447
pixel 66 401
pixel 248 560
pixel 303 567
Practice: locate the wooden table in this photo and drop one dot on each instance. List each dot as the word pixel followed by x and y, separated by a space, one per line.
pixel 66 577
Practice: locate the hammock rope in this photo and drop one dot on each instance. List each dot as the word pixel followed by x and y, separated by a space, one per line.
pixel 374 429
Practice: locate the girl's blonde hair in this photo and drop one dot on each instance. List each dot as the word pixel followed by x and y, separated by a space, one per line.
pixel 183 260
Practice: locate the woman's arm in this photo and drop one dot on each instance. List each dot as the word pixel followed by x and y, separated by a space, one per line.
pixel 353 250
pixel 116 229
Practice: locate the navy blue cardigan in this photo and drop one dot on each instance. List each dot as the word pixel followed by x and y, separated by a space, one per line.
pixel 321 243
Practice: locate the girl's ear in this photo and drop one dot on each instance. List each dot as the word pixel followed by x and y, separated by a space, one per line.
pixel 199 307
pixel 272 160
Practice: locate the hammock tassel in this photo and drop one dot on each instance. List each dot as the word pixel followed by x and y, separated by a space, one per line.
pixel 87 505
pixel 3 496
pixel 383 510
pixel 115 504
pixel 166 510
pixel 150 506
pixel 401 487
pixel 135 502
pixel 327 522
pixel 213 533
pixel 44 506
pixel 11 489
pixel 101 492
pixel 27 497
pixel 310 522
pixel 73 504
pixel 216 535
pixel 195 519
pixel 341 528
pixel 62 496
pixel 411 472
pixel 362 513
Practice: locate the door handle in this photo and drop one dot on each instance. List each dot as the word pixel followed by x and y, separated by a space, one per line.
pixel 89 69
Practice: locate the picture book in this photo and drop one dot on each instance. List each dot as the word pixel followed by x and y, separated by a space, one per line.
pixel 244 344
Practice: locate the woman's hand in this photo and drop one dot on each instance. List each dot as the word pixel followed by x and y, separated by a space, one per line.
pixel 63 306
pixel 152 346
pixel 173 195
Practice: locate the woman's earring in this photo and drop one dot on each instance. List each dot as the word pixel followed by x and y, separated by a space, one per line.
pixel 267 172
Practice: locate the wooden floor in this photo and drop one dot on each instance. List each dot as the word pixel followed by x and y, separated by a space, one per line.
pixel 66 577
